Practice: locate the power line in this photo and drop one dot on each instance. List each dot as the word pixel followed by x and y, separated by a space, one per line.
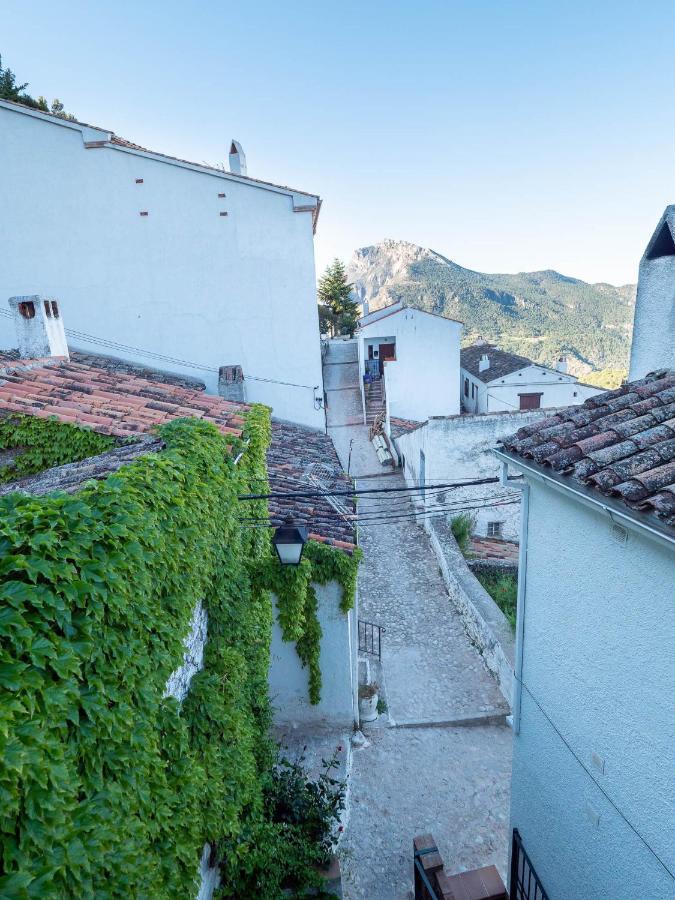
pixel 593 779
pixel 161 357
pixel 355 492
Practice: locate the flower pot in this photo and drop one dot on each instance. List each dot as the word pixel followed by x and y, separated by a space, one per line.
pixel 368 708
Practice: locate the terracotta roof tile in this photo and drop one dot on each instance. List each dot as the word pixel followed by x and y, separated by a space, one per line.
pixel 624 448
pixel 114 398
pixel 113 402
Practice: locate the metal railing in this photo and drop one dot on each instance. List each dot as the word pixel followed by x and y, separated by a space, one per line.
pixel 524 883
pixel 423 887
pixel 370 638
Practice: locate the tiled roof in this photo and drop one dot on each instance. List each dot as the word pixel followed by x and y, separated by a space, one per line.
pixel 116 403
pixel 302 460
pixel 501 362
pixel 403 426
pixel 109 396
pixel 620 443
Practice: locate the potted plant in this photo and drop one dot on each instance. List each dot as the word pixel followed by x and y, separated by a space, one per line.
pixel 368 702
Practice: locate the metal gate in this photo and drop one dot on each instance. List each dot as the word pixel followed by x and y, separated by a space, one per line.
pixel 524 883
pixel 370 638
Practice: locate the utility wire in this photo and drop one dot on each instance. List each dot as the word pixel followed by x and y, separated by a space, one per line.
pixel 355 492
pixel 593 779
pixel 161 357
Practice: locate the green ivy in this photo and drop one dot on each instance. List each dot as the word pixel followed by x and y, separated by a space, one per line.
pixel 107 788
pixel 297 602
pixel 45 443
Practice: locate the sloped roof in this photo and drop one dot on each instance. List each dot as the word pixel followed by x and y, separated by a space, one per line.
pixel 300 460
pixel 403 426
pixel 620 443
pixel 109 138
pixel 501 362
pixel 125 400
pixel 118 404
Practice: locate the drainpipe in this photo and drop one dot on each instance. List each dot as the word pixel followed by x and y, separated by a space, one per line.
pixel 524 488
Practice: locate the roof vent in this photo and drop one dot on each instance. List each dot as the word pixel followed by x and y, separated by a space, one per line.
pixel 484 363
pixel 561 365
pixel 39 327
pixel 237 159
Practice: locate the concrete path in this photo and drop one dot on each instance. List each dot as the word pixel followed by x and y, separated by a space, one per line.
pixel 428 776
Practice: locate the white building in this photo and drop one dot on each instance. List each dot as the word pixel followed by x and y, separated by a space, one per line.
pixel 493 380
pixel 448 449
pixel 176 264
pixel 416 355
pixel 654 324
pixel 593 788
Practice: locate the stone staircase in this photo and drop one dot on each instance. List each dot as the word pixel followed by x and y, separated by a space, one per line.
pixel 375 405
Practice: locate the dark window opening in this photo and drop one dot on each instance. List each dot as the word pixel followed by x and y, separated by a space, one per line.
pixel 139 181
pixel 530 401
pixel 55 309
pixel 494 529
pixel 48 309
pixel 27 309
pixel 473 390
pixel 663 244
pixel 466 387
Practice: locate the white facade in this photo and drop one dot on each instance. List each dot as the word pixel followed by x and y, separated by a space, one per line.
pixel 459 448
pixel 653 344
pixel 421 380
pixel 594 749
pixel 162 256
pixel 288 679
pixel 503 394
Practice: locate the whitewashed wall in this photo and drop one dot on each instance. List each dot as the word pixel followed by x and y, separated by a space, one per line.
pixel 183 281
pixel 288 679
pixel 556 388
pixel 459 448
pixel 423 380
pixel 598 658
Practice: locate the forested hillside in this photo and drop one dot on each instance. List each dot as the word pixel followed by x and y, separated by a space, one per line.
pixel 537 314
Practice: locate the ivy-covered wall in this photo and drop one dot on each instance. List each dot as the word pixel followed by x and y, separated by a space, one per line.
pixel 108 789
pixel 44 443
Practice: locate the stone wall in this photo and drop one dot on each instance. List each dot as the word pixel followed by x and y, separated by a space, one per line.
pixel 484 622
pixel 459 448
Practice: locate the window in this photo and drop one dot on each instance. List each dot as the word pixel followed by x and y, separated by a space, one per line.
pixel 530 401
pixel 466 387
pixel 494 529
pixel 473 390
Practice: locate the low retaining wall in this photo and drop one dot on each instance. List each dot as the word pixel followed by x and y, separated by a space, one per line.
pixel 493 566
pixel 485 623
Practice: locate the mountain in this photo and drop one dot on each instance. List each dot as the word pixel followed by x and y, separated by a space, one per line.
pixel 536 314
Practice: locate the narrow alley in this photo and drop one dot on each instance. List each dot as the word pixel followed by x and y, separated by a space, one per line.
pixel 420 771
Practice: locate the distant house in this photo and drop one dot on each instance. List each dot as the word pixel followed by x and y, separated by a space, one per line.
pixel 493 380
pixel 412 359
pixel 594 746
pixel 181 265
pixel 654 325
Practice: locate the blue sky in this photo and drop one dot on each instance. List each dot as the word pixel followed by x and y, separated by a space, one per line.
pixel 509 136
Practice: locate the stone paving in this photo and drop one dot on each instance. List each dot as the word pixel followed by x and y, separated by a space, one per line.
pixel 452 781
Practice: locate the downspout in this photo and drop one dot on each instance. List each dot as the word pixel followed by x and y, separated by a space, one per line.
pixel 517 692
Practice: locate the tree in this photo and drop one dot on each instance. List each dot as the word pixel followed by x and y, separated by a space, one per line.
pixel 336 306
pixel 10 90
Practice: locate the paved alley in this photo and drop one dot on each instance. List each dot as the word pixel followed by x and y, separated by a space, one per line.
pixel 419 772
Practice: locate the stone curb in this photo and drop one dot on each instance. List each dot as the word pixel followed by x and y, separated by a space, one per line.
pixel 493 717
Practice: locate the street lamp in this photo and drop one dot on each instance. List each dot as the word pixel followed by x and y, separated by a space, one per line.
pixel 289 541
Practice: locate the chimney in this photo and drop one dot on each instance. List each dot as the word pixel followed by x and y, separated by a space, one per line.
pixel 231 383
pixel 484 363
pixel 237 159
pixel 39 327
pixel 561 365
pixel 479 341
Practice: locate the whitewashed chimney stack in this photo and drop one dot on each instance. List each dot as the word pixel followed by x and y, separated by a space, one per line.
pixel 237 159
pixel 484 363
pixel 39 327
